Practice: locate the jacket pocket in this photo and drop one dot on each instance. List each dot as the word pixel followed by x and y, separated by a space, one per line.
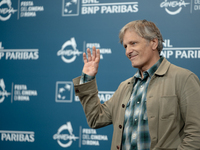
pixel 168 107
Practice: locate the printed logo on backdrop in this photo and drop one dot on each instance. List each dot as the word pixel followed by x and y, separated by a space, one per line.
pixel 89 7
pixel 179 52
pixel 87 136
pixel 64 91
pixel 19 92
pixel 70 8
pixel 28 9
pixel 65 136
pixel 25 9
pixel 103 96
pixel 91 138
pixel 68 51
pixel 103 51
pixel 3 92
pixel 18 54
pixel 17 136
pixel 176 7
pixel 6 10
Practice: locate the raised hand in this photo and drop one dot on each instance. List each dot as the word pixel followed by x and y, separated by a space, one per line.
pixel 92 63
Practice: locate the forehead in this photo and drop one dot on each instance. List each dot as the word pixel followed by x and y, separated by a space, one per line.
pixel 131 35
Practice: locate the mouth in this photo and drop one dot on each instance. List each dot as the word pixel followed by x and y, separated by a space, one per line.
pixel 133 56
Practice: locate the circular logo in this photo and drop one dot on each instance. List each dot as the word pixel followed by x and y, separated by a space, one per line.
pixel 65 137
pixel 173 5
pixel 3 92
pixel 69 55
pixel 9 10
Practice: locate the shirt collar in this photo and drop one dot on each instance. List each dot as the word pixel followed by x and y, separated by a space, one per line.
pixel 151 70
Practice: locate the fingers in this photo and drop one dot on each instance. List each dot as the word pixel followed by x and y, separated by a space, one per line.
pixel 89 55
pixel 84 58
pixel 95 56
pixel 93 53
pixel 97 59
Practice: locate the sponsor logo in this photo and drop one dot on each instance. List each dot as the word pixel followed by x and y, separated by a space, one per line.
pixel 3 92
pixel 179 52
pixel 108 8
pixel 103 51
pixel 17 136
pixel 173 7
pixel 68 137
pixel 64 91
pixel 6 10
pixel 176 7
pixel 103 96
pixel 68 51
pixel 25 9
pixel 91 138
pixel 87 136
pixel 20 92
pixel 89 7
pixel 70 8
pixel 28 9
pixel 18 54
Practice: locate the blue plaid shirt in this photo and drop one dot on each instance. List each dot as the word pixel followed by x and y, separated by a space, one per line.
pixel 85 78
pixel 136 131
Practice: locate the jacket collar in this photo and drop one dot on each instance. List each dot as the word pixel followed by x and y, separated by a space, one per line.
pixel 162 69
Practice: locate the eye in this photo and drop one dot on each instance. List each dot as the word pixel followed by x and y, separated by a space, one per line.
pixel 133 43
pixel 125 46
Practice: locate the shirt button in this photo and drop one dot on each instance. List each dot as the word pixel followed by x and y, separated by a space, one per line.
pixel 141 86
pixel 120 126
pixel 138 102
pixel 77 90
pixel 117 147
pixel 134 136
pixel 135 119
pixel 123 105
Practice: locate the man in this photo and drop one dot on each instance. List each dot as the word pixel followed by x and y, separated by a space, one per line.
pixel 158 108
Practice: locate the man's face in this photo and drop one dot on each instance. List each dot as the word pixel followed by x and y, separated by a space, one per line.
pixel 140 52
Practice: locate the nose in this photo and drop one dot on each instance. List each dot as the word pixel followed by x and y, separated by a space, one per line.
pixel 128 50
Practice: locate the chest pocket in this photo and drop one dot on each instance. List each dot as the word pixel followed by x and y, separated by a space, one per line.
pixel 168 107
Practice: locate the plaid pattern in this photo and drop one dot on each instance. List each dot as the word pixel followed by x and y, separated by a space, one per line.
pixel 85 78
pixel 136 131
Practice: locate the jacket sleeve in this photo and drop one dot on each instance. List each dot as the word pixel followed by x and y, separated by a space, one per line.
pixel 97 114
pixel 190 111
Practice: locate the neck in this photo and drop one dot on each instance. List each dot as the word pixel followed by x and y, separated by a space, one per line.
pixel 149 65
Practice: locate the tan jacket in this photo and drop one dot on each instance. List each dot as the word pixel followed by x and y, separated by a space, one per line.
pixel 173 108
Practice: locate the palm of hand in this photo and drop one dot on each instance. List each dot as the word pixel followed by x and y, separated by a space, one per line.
pixel 91 63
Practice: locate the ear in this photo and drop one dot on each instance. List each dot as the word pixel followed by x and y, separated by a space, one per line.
pixel 154 44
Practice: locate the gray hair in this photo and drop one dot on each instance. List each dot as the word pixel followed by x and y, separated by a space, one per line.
pixel 145 29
